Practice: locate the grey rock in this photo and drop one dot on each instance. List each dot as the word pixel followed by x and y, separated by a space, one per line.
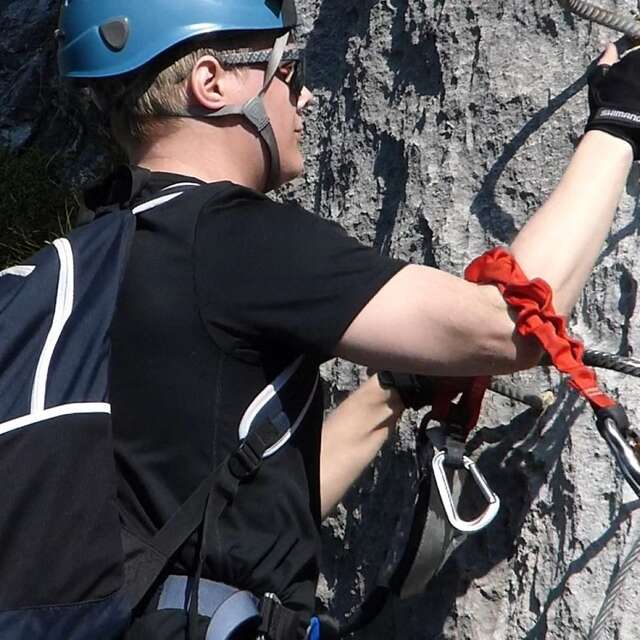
pixel 439 128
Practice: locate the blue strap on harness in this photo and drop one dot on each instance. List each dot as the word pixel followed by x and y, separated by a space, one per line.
pixel 228 608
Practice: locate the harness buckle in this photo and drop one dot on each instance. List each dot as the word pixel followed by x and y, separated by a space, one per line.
pixel 623 442
pixel 444 489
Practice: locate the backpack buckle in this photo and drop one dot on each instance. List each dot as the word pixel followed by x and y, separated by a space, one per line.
pixel 278 622
pixel 444 489
pixel 245 461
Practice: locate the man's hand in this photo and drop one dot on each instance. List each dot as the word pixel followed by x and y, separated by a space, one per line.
pixel 614 96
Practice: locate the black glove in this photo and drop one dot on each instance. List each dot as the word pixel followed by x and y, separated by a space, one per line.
pixel 614 100
pixel 415 391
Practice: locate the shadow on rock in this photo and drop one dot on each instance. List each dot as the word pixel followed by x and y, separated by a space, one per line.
pixel 493 218
pixel 517 459
pixel 413 58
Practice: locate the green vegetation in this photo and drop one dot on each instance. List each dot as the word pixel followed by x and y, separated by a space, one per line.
pixel 34 208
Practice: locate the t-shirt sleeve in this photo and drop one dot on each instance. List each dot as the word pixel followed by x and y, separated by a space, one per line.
pixel 276 273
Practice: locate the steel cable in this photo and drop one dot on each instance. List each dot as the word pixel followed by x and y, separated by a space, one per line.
pixel 598 630
pixel 540 402
pixel 604 360
pixel 623 23
pixel 610 361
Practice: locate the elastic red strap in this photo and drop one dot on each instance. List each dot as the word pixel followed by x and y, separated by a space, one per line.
pixel 532 300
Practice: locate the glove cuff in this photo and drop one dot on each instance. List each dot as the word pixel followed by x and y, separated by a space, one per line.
pixel 414 391
pixel 619 123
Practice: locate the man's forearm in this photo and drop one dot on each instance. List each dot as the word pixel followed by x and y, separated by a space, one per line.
pixel 352 436
pixel 429 322
pixel 561 243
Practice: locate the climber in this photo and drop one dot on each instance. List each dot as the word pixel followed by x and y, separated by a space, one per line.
pixel 230 295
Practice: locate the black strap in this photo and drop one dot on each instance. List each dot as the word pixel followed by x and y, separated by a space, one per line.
pixel 426 540
pixel 397 566
pixel 239 467
pixel 211 496
pixel 278 622
pixel 455 451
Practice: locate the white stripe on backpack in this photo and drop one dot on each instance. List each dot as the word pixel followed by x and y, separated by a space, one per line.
pixel 21 271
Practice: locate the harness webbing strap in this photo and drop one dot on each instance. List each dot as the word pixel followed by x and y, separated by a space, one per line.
pixel 462 416
pixel 536 316
pixel 206 503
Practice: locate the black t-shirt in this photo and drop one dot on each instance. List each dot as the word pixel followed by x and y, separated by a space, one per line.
pixel 224 289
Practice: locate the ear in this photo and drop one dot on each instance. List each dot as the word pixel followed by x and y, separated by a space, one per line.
pixel 211 87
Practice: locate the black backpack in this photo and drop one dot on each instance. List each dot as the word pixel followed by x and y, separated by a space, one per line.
pixel 70 571
pixel 62 557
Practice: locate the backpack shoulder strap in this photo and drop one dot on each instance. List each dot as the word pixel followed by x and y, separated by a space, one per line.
pixel 212 495
pixel 275 418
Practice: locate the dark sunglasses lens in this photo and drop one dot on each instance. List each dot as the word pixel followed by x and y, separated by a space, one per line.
pixel 298 79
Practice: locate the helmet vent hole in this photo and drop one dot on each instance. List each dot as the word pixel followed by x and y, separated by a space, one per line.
pixel 115 33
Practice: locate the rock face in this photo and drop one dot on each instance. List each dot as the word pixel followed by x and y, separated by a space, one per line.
pixel 439 128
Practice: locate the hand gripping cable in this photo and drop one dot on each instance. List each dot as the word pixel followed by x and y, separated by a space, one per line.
pixel 536 317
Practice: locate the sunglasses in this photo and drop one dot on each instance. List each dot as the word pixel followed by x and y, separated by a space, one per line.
pixel 296 76
pixel 292 58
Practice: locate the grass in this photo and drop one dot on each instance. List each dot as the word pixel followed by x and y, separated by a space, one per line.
pixel 34 208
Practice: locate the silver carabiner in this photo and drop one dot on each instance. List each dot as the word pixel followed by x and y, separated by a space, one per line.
pixel 624 453
pixel 465 526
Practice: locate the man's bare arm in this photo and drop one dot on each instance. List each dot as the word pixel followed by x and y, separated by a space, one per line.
pixel 352 436
pixel 427 321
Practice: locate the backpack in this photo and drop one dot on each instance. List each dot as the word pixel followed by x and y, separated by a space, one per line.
pixel 62 558
pixel 70 571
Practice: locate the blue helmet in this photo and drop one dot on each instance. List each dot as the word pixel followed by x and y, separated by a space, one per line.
pixel 105 38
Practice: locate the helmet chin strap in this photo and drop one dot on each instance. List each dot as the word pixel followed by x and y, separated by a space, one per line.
pixel 255 112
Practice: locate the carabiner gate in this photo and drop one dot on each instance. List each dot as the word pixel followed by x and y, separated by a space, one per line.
pixel 464 526
pixel 624 453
